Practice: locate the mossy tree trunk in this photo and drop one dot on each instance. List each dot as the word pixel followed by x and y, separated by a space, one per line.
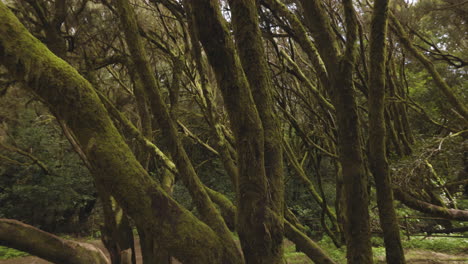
pixel 48 246
pixel 208 212
pixel 377 150
pixel 246 88
pixel 114 166
pixel 116 234
pixel 340 67
pixel 430 209
pixel 251 52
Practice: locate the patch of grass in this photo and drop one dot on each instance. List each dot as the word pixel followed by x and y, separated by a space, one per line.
pixel 439 244
pixel 337 254
pixel 7 253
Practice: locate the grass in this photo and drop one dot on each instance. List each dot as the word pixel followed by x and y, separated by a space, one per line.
pixel 439 244
pixel 293 257
pixel 7 253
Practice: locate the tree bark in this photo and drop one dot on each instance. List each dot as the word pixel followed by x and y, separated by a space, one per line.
pixel 377 151
pixel 208 212
pixel 428 208
pixel 302 241
pixel 47 246
pixel 259 232
pixel 252 55
pixel 340 69
pixel 69 94
pixel 116 234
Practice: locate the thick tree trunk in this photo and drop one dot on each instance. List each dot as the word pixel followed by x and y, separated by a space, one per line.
pixel 27 238
pixel 377 150
pixel 251 52
pixel 114 166
pixel 209 214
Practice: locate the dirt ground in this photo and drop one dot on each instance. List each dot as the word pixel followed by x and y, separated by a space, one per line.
pixel 417 256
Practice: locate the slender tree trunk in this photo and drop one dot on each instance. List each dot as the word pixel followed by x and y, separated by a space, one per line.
pixel 116 234
pixel 441 83
pixel 377 150
pixel 340 69
pixel 260 233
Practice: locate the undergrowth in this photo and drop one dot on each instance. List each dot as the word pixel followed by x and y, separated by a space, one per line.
pixel 7 253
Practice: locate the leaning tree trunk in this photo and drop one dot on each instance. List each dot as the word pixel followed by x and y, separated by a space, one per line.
pixel 377 151
pixel 47 246
pixel 291 231
pixel 208 212
pixel 114 166
pixel 430 209
pixel 431 69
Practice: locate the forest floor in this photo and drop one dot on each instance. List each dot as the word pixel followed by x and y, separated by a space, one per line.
pixel 413 256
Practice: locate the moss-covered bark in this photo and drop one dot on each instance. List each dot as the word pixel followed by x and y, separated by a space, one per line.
pixel 251 52
pixel 340 68
pixel 116 234
pixel 259 232
pixel 292 232
pixel 377 133
pixel 27 238
pixel 70 96
pixel 208 212
pixel 428 208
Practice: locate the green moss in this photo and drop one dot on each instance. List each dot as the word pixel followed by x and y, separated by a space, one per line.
pixel 7 253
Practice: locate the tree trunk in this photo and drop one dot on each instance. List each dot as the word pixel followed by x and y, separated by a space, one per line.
pixel 114 166
pixel 431 209
pixel 116 234
pixel 340 69
pixel 377 133
pixel 251 52
pixel 259 232
pixel 302 241
pixel 47 246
